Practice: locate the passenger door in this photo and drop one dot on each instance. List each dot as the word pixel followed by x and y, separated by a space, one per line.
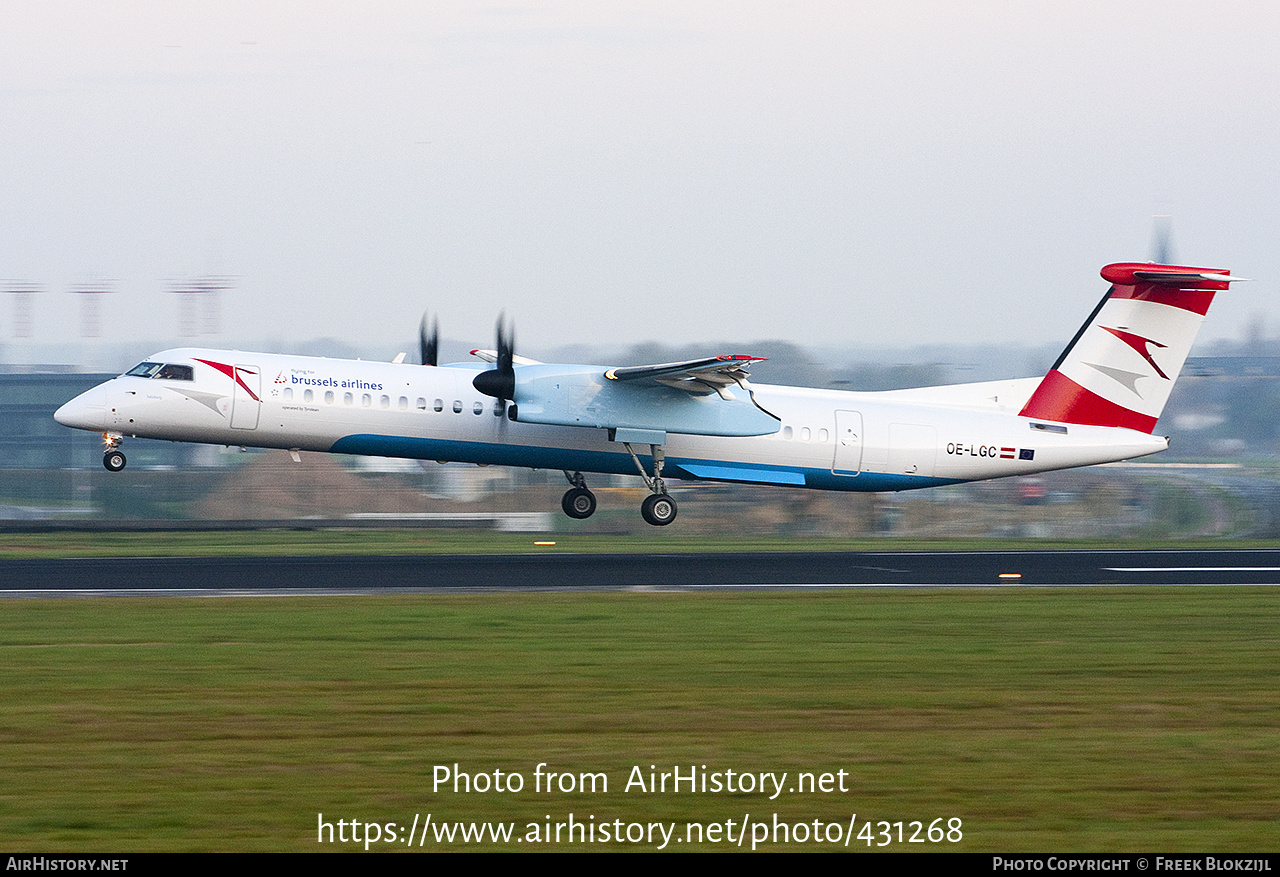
pixel 246 402
pixel 848 459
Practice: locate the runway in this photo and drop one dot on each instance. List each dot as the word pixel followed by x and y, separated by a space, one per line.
pixel 781 570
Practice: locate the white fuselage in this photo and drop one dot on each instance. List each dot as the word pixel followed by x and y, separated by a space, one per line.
pixel 825 439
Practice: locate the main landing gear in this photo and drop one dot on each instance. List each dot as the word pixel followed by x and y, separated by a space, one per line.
pixel 113 458
pixel 658 509
pixel 578 502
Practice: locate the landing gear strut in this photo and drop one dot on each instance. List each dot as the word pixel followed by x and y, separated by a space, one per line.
pixel 658 509
pixel 112 458
pixel 578 502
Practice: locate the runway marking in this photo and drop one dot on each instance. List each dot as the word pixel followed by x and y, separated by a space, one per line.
pixel 1192 568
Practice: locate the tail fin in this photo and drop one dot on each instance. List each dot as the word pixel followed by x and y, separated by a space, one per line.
pixel 1121 365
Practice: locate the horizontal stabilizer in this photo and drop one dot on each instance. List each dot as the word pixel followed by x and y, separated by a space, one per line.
pixel 1176 276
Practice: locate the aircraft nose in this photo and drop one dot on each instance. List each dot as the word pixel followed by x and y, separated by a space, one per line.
pixel 86 411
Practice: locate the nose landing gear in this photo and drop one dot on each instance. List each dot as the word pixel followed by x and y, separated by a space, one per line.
pixel 113 458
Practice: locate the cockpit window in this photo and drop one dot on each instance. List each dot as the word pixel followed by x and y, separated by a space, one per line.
pixel 162 371
pixel 176 373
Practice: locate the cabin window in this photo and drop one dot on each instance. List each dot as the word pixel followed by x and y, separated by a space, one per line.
pixel 421 404
pixel 439 406
pixel 348 399
pixel 328 397
pixel 404 403
pixel 787 433
pixel 477 408
pixel 366 400
pixel 145 369
pixel 385 401
pixel 823 435
pixel 172 372
pixel 457 406
pixel 307 395
pixel 288 394
pixel 498 405
pixel 804 434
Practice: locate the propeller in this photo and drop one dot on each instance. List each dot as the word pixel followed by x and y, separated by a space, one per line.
pixel 500 381
pixel 429 341
pixel 1162 240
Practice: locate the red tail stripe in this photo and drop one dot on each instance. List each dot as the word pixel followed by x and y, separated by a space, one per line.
pixel 1060 399
pixel 1195 300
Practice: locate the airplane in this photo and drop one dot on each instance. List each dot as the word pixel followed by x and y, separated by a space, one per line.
pixel 701 419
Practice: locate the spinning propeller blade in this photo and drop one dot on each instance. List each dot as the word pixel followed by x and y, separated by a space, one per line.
pixel 429 341
pixel 500 381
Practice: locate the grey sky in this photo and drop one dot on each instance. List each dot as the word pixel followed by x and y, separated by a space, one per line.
pixel 829 173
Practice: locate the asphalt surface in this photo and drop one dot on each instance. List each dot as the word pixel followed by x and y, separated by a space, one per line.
pixel 270 575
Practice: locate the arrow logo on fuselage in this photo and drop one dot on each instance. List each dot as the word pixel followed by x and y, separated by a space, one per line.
pixel 233 373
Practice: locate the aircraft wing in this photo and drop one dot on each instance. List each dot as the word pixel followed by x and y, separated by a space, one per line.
pixel 492 356
pixel 690 397
pixel 698 376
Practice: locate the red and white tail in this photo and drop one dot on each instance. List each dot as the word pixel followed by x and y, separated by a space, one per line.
pixel 1121 365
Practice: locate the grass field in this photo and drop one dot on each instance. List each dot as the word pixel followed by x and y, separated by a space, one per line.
pixel 1106 720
